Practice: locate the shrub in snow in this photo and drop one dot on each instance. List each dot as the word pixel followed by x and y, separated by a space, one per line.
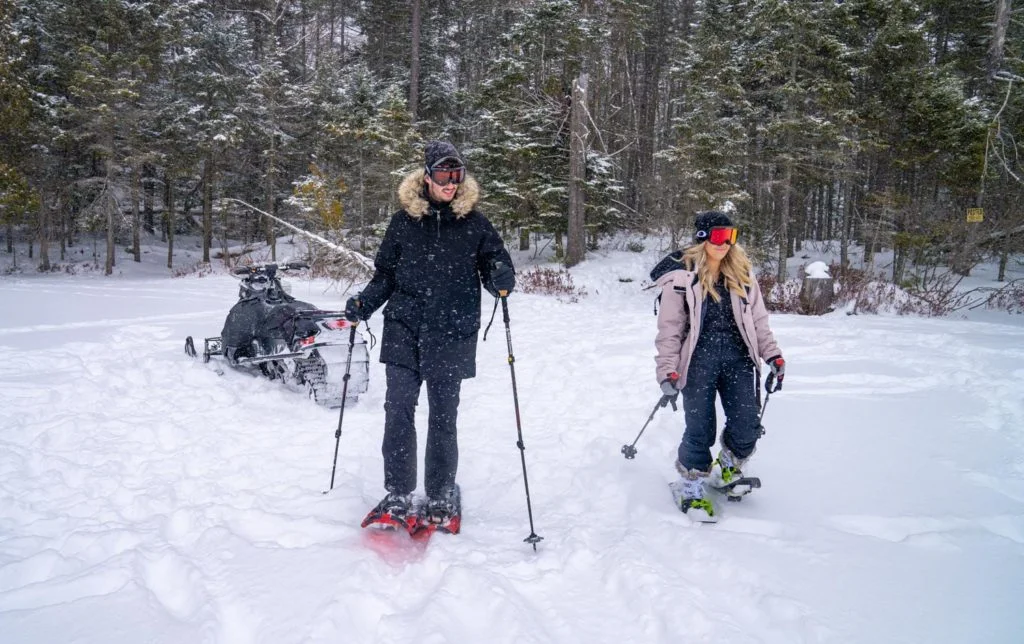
pixel 549 281
pixel 1009 298
pixel 779 297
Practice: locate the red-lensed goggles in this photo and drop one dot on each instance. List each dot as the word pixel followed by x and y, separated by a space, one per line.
pixel 719 235
pixel 444 176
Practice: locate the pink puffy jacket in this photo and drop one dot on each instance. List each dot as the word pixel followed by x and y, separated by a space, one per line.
pixel 682 299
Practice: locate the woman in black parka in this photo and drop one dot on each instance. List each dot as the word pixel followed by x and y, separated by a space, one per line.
pixel 435 254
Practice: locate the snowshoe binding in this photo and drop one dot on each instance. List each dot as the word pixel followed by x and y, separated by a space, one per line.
pixel 395 511
pixel 727 477
pixel 442 513
pixel 688 495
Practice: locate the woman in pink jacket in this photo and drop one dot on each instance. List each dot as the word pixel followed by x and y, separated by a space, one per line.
pixel 712 333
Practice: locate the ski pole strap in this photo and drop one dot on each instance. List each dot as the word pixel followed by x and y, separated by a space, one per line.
pixel 369 331
pixel 493 312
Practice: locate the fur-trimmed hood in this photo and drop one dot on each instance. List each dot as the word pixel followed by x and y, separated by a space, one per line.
pixel 410 195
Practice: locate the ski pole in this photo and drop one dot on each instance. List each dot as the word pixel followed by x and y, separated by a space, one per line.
pixel 769 389
pixel 629 451
pixel 344 396
pixel 533 539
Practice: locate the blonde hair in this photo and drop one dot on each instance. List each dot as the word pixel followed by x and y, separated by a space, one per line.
pixel 735 268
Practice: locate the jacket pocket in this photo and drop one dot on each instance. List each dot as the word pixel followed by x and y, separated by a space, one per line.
pixel 403 308
pixel 462 325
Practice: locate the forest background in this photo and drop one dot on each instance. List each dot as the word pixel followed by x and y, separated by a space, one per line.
pixel 889 125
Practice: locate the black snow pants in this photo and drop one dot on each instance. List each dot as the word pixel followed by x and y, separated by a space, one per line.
pixel 399 448
pixel 720 364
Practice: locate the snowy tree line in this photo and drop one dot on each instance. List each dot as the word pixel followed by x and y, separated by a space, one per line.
pixel 878 122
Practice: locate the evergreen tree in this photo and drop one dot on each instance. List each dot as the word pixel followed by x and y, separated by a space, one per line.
pixel 798 82
pixel 370 144
pixel 202 107
pixel 112 57
pixel 16 198
pixel 523 109
pixel 712 116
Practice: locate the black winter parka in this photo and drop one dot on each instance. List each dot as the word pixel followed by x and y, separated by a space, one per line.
pixel 429 269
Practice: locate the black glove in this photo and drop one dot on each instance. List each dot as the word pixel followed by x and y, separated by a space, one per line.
pixel 503 278
pixel 354 310
pixel 778 367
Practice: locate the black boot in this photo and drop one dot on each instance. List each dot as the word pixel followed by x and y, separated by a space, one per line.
pixel 394 511
pixel 444 511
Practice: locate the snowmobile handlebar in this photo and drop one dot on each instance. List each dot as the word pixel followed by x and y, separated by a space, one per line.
pixel 268 269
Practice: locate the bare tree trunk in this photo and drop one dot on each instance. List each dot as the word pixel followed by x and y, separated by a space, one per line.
pixel 997 47
pixel 110 203
pixel 207 207
pixel 834 193
pixel 787 190
pixel 362 200
pixel 167 198
pixel 303 19
pixel 269 187
pixel 330 23
pixel 136 218
pixel 224 239
pixel 147 197
pixel 653 59
pixel 44 233
pixel 577 240
pixel 65 236
pixel 317 32
pixel 844 225
pixel 169 216
pixel 414 64
pixel 108 264
pixel 344 18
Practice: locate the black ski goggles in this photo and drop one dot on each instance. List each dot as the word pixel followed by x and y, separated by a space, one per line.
pixel 442 176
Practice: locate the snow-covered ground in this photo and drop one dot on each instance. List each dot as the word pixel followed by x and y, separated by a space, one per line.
pixel 144 498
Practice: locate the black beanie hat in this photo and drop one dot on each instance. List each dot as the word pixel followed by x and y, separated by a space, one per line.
pixel 708 220
pixel 438 151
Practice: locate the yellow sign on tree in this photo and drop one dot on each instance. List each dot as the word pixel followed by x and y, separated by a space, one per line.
pixel 975 215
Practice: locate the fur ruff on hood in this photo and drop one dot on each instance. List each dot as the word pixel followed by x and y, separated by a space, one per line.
pixel 410 195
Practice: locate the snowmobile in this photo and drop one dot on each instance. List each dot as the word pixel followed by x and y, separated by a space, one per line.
pixel 272 334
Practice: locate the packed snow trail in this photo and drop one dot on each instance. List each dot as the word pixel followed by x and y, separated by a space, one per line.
pixel 143 497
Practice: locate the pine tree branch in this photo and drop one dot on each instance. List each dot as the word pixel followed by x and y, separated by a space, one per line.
pixel 360 259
